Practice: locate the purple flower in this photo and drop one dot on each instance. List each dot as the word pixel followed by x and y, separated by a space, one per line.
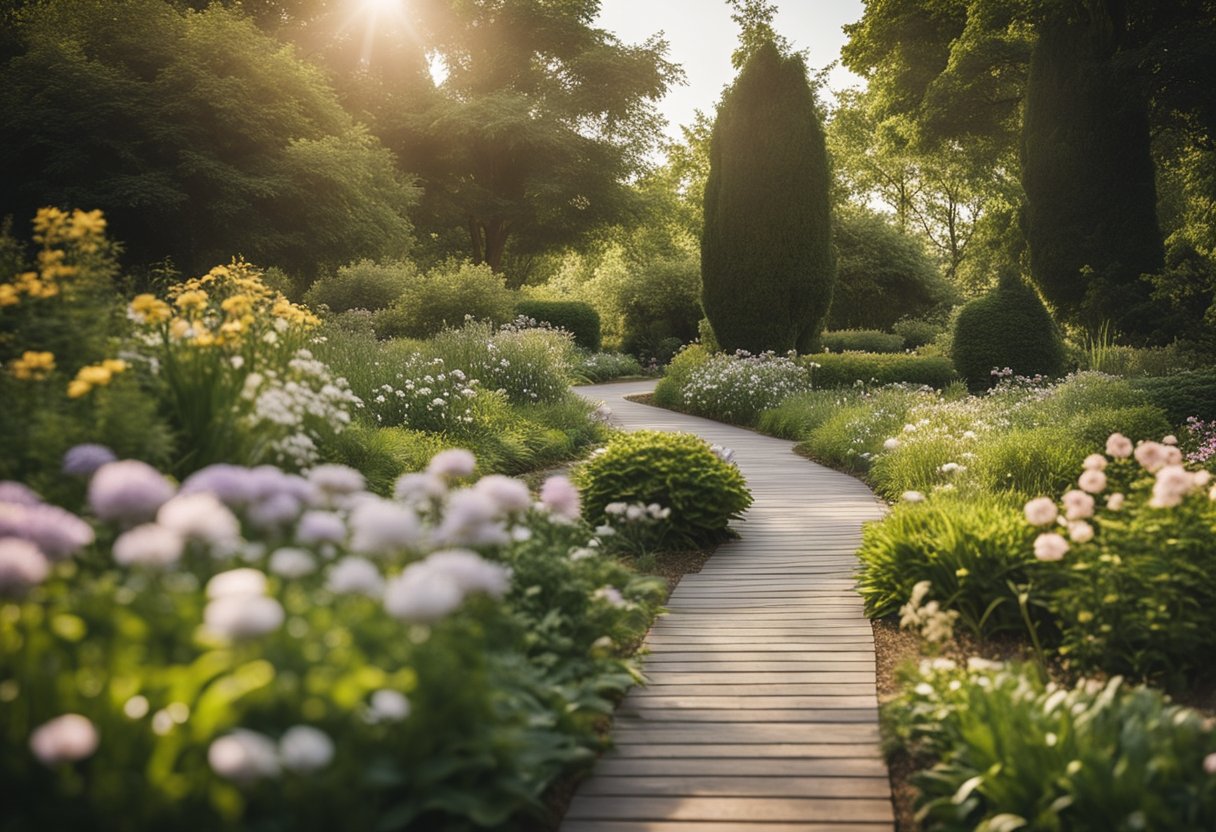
pixel 84 460
pixel 128 491
pixel 21 566
pixel 233 485
pixel 57 533
pixel 320 527
pixel 560 496
pixel 15 492
pixel 274 511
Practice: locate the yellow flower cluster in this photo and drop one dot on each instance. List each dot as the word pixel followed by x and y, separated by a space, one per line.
pixel 95 375
pixel 55 230
pixel 222 308
pixel 32 366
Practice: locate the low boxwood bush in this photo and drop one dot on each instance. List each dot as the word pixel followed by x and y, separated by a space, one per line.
pixel 1182 395
pixel 443 297
pixel 1012 752
pixel 861 340
pixel 362 285
pixel 1007 328
pixel 967 549
pixel 849 369
pixel 678 471
pixel 578 318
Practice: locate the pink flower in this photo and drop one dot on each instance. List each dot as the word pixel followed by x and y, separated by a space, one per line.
pixel 21 566
pixel 1118 446
pixel 1050 547
pixel 65 739
pixel 508 494
pixel 452 463
pixel 1092 481
pixel 1041 511
pixel 560 496
pixel 1115 502
pixel 1173 483
pixel 1078 505
pixel 1095 462
pixel 1152 456
pixel 1080 531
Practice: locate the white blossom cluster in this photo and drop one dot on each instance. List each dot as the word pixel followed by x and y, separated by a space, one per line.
pixel 426 395
pixel 735 387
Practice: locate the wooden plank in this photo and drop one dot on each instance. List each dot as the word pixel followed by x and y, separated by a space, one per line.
pixel 613 765
pixel 820 750
pixel 715 826
pixel 754 810
pixel 654 698
pixel 631 730
pixel 687 786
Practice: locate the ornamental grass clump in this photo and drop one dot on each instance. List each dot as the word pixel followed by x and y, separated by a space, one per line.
pixel 1009 751
pixel 261 649
pixel 736 388
pixel 530 365
pixel 1132 577
pixel 677 471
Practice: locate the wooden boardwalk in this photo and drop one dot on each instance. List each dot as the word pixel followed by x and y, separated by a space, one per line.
pixel 760 714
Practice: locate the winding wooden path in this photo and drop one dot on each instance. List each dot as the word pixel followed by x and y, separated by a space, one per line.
pixel 760 714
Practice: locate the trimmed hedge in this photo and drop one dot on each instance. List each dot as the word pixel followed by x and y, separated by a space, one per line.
pixel 576 317
pixel 861 340
pixel 1008 327
pixel 847 369
pixel 1190 393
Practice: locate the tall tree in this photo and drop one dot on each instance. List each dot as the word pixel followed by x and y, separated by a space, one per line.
pixel 766 257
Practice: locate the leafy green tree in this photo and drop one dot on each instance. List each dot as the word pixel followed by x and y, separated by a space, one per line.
pixel 199 136
pixel 766 258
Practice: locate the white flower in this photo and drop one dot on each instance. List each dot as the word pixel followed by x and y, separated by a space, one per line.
pixel 389 706
pixel 1118 446
pixel 635 513
pixel 470 519
pixel 1041 511
pixel 336 479
pixel 290 562
pixel 610 595
pixel 1080 531
pixel 355 576
pixel 951 468
pixel 242 616
pixel 21 566
pixel 320 527
pixel 1172 484
pixel 1050 547
pixel 912 497
pixel 560 497
pixel 199 516
pixel 977 664
pixel 891 444
pixel 244 756
pixel 615 508
pixel 453 463
pixel 471 572
pixel 1095 462
pixel 148 545
pixel 1115 502
pixel 1093 481
pixel 418 488
pixel 1078 505
pixel 380 526
pixel 508 494
pixel 1152 456
pixel 1170 440
pixel 237 583
pixel 421 594
pixel 581 553
pixel 304 749
pixel 65 739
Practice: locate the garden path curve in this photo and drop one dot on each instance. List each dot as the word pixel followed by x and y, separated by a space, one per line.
pixel 760 713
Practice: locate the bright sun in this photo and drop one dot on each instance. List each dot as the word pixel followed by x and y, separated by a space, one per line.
pixel 378 7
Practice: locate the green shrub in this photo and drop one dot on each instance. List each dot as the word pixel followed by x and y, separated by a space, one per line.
pixel 528 365
pixel 1143 422
pixel 668 392
pixel 659 301
pixel 1014 753
pixel 1030 461
pixel 705 334
pixel 606 366
pixel 1007 328
pixel 362 285
pixel 968 549
pixel 383 454
pixel 444 297
pixel 797 416
pixel 848 369
pixel 578 318
pixel 861 340
pixel 1191 393
pixel 917 332
pixel 678 471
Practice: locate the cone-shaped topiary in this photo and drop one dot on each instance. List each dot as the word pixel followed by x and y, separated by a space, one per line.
pixel 1007 328
pixel 767 267
pixel 678 471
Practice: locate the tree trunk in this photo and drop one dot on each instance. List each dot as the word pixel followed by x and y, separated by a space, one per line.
pixel 496 243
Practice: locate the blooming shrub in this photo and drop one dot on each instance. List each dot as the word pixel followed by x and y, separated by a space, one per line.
pixel 1198 440
pixel 528 364
pixel 426 395
pixel 605 366
pixel 677 471
pixel 736 388
pixel 1011 752
pixel 262 649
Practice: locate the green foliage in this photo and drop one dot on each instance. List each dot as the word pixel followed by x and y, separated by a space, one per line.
pixel 1011 752
pixel 861 340
pixel 736 388
pixel 444 297
pixel 362 285
pixel 669 391
pixel 968 549
pixel 917 332
pixel 606 366
pixel 660 301
pixel 530 366
pixel 1091 234
pixel 849 369
pixel 197 134
pixel 1007 328
pixel 1031 461
pixel 882 275
pixel 766 260
pixel 578 318
pixel 676 470
pixel 856 431
pixel 798 415
pixel 382 454
pixel 1191 393
pixel 1143 421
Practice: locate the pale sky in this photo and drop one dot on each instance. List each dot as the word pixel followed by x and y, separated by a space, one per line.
pixel 702 36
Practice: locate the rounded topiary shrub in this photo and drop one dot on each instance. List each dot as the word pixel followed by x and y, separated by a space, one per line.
pixel 362 285
pixel 678 471
pixel 1007 328
pixel 578 318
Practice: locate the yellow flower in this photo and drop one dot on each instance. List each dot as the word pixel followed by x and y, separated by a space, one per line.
pixel 78 388
pixel 50 224
pixel 95 375
pixel 9 295
pixel 192 301
pixel 150 309
pixel 32 366
pixel 114 365
pixel 203 339
pixel 237 305
pixel 179 329
pixel 87 224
